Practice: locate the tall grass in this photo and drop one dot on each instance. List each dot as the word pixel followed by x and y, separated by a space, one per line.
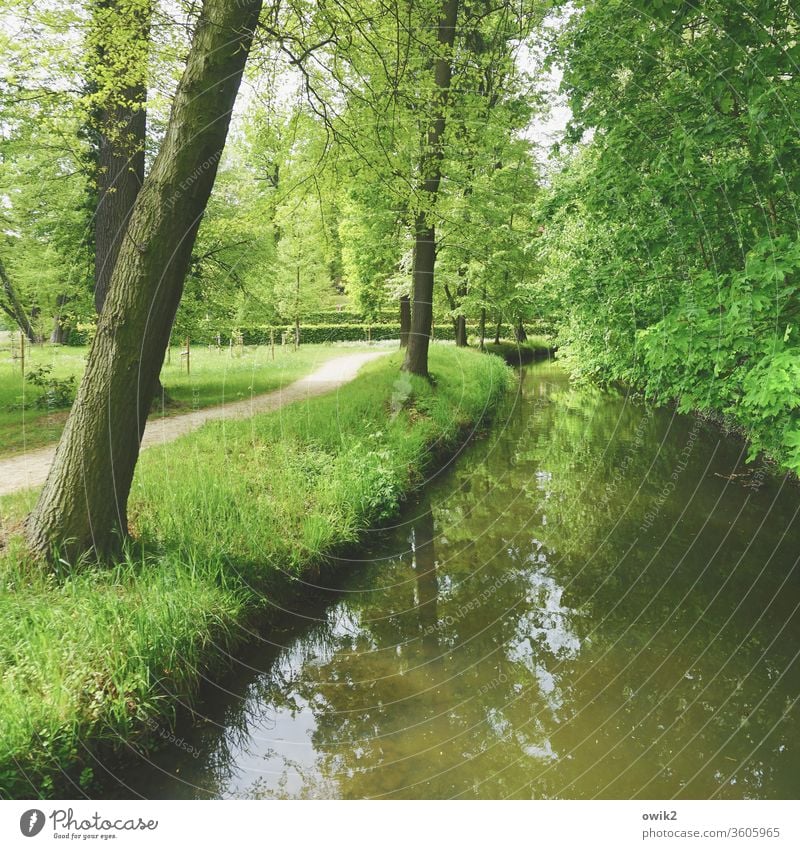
pixel 224 519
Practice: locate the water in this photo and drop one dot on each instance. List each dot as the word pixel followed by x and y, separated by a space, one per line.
pixel 599 600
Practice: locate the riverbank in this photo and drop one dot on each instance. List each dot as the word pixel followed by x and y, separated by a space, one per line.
pixel 225 521
pixel 522 353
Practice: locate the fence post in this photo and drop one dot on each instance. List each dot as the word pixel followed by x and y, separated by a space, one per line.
pixel 186 354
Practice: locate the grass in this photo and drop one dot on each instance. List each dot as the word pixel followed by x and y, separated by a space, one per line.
pixel 215 377
pixel 520 353
pixel 226 520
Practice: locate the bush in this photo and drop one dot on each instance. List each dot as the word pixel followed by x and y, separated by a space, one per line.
pixel 57 394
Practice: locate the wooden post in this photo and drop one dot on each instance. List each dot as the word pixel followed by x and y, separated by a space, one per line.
pixel 186 354
pixel 272 341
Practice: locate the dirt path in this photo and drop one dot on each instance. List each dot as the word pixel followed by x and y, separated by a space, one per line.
pixel 30 469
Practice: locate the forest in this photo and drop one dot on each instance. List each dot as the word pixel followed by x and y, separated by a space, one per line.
pixel 204 200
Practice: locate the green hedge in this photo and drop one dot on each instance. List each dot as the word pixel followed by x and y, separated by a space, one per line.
pixel 345 330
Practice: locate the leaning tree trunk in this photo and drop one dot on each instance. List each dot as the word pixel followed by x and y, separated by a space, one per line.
pixel 83 505
pixel 424 229
pixel 13 306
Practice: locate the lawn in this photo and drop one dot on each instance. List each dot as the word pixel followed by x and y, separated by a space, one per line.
pixel 215 377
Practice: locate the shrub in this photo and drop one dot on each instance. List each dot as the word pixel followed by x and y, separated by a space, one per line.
pixel 57 393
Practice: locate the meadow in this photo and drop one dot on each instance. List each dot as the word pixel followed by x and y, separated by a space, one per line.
pixel 29 419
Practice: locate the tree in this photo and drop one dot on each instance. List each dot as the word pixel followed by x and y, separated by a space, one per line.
pixel 670 239
pixel 430 167
pixel 303 282
pixel 83 504
pixel 11 305
pixel 44 202
pixel 117 71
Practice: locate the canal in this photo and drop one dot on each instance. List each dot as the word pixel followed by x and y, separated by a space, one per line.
pixel 598 599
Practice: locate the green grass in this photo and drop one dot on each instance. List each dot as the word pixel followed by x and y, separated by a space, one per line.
pixel 226 519
pixel 519 353
pixel 215 377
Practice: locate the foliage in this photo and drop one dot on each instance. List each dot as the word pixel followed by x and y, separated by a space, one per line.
pixel 670 241
pixel 56 393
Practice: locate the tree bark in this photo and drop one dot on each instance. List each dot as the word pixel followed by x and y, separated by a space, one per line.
pixel 120 125
pixel 83 505
pixel 497 331
pixel 461 332
pixel 419 338
pixel 12 306
pixel 519 332
pixel 297 311
pixel 120 122
pixel 405 320
pixel 60 330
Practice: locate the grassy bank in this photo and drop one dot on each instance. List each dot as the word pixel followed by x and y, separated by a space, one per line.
pixel 226 519
pixel 215 377
pixel 521 353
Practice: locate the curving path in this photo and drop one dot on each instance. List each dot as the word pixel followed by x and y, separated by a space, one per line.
pixel 30 469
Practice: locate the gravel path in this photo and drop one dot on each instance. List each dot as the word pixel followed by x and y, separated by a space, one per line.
pixel 30 469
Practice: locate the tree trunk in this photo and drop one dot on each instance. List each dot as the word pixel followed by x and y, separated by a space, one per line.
pixel 12 306
pixel 461 331
pixel 297 312
pixel 424 229
pixel 497 331
pixel 83 505
pixel 460 321
pixel 482 324
pixel 405 320
pixel 120 124
pixel 60 330
pixel 419 336
pixel 519 332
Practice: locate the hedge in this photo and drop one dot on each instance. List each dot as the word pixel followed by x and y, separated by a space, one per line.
pixel 311 333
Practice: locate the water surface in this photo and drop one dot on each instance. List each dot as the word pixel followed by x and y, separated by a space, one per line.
pixel 598 600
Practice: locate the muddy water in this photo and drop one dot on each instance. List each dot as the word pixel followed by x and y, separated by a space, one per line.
pixel 599 600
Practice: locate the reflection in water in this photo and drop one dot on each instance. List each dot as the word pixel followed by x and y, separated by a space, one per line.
pixel 593 602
